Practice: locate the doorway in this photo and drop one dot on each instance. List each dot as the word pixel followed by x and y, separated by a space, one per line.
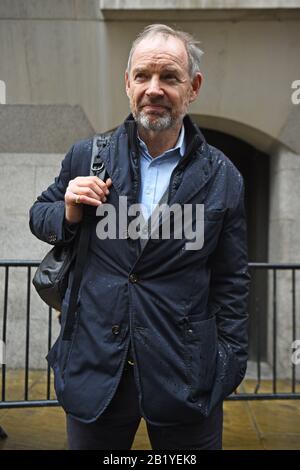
pixel 254 167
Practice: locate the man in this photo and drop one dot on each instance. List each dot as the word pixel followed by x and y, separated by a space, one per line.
pixel 160 329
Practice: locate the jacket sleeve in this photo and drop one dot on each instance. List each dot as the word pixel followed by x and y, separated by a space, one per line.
pixel 229 290
pixel 47 214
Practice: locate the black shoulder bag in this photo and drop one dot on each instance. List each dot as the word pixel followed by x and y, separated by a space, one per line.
pixel 51 277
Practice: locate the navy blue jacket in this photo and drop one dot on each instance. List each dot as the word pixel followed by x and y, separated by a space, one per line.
pixel 183 311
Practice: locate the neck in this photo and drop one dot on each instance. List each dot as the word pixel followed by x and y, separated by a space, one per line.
pixel 159 142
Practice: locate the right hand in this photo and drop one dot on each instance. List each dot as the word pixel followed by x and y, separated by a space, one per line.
pixel 89 190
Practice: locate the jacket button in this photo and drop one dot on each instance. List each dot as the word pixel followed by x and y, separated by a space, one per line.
pixel 133 277
pixel 115 329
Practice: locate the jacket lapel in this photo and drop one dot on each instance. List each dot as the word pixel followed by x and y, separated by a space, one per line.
pixel 195 176
pixel 121 159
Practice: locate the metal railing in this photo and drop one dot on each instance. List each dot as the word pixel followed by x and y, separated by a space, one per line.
pixel 25 402
pixel 272 271
pixel 290 323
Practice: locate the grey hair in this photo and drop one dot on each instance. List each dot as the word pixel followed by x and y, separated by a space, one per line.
pixel 191 44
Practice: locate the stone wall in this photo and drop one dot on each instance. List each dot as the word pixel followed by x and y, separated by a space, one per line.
pixel 29 134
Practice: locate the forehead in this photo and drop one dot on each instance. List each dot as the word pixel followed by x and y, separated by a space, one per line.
pixel 160 51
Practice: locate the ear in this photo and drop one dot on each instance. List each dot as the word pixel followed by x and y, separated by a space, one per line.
pixel 195 86
pixel 127 83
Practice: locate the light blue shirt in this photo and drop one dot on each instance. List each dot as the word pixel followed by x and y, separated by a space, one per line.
pixel 156 172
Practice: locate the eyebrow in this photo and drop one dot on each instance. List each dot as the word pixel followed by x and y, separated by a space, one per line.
pixel 139 69
pixel 171 70
pixel 166 70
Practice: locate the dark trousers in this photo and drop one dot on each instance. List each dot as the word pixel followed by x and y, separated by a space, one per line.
pixel 117 426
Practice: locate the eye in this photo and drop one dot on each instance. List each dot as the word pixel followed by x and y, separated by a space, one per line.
pixel 169 77
pixel 140 76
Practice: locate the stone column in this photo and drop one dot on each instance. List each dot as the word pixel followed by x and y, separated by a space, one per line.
pixel 284 243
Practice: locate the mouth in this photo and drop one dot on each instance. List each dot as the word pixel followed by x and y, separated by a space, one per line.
pixel 155 107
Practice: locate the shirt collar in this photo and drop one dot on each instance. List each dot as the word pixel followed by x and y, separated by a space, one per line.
pixel 180 144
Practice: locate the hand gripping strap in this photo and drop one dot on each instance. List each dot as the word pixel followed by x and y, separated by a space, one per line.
pixel 97 168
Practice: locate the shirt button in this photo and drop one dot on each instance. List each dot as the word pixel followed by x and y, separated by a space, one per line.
pixel 133 278
pixel 115 329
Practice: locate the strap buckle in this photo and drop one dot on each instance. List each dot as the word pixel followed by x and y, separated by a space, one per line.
pixel 97 166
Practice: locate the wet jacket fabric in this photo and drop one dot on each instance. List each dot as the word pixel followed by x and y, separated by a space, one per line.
pixel 182 311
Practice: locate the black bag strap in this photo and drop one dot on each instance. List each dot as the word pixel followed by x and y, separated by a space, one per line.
pixel 97 168
pixel 97 165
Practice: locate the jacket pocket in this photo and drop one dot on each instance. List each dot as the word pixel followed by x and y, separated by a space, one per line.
pixel 226 379
pixel 200 346
pixel 227 367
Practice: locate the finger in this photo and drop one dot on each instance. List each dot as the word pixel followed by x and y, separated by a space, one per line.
pixel 104 185
pixel 97 183
pixel 91 181
pixel 90 184
pixel 87 200
pixel 78 199
pixel 70 198
pixel 87 191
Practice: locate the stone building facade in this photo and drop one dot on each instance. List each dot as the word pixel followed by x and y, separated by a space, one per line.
pixel 62 63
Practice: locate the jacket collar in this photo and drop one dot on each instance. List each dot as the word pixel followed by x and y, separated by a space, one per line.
pixel 193 133
pixel 121 158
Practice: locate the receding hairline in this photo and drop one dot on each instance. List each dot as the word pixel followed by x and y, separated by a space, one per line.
pixel 166 38
pixel 190 44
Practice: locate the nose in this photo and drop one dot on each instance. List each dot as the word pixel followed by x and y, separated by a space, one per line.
pixel 154 89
